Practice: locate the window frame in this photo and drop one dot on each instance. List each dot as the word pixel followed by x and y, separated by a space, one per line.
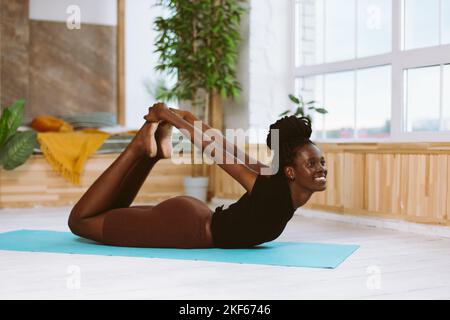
pixel 400 60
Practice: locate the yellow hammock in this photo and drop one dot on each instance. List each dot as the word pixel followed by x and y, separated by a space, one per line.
pixel 67 152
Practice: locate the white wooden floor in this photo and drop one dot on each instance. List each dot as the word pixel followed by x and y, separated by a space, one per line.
pixel 389 265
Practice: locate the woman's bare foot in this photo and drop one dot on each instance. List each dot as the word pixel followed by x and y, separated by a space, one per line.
pixel 156 112
pixel 145 139
pixel 163 137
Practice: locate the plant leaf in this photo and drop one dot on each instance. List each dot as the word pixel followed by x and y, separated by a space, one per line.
pixel 284 113
pixel 300 111
pixel 16 115
pixel 294 99
pixel 4 126
pixel 18 149
pixel 321 110
pixel 11 120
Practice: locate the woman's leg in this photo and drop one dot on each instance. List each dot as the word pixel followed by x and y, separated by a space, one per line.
pixel 179 222
pixel 117 186
pixel 137 176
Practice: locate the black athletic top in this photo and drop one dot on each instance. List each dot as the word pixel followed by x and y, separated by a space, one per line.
pixel 255 218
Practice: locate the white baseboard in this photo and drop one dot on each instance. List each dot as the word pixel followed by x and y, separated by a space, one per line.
pixel 384 223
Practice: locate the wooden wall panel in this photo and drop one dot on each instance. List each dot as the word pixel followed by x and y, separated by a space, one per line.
pixel 447 209
pixel 353 181
pixel 424 187
pixel 382 183
pixel 335 190
pixel 437 187
pixel 227 187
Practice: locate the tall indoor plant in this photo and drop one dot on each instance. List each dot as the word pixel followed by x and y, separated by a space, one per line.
pixel 197 43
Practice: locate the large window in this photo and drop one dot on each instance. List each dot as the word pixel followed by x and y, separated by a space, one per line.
pixel 380 67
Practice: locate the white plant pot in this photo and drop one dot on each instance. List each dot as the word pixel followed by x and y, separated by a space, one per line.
pixel 196 187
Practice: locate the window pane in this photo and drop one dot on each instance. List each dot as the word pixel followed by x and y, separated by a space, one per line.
pixel 445 21
pixel 298 34
pixel 373 108
pixel 422 99
pixel 421 23
pixel 340 30
pixel 319 12
pixel 340 103
pixel 374 27
pixel 311 89
pixel 446 97
pixel 309 26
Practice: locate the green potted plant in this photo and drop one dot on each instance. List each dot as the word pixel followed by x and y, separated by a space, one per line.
pixel 303 108
pixel 15 147
pixel 197 44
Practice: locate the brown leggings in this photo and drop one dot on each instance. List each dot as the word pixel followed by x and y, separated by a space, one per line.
pixel 179 222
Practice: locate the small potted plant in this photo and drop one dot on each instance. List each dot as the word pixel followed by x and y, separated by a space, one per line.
pixel 303 108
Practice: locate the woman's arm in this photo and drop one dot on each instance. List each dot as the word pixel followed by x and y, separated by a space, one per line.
pixel 239 172
pixel 251 163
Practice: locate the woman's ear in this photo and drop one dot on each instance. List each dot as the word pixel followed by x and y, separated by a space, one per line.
pixel 289 173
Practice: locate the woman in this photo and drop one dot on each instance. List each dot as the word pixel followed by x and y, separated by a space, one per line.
pixel 104 213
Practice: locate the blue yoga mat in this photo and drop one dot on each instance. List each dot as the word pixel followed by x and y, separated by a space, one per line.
pixel 292 254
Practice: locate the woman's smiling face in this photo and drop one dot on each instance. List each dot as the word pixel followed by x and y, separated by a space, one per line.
pixel 309 169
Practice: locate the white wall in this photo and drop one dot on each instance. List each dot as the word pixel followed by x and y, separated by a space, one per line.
pixel 102 12
pixel 140 59
pixel 236 113
pixel 271 63
pixel 265 68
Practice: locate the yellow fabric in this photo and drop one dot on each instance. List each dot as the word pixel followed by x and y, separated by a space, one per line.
pixel 67 152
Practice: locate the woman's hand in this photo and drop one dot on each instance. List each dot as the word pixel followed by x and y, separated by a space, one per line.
pixel 157 112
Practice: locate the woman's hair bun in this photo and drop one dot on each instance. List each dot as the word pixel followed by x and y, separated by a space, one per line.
pixel 291 129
